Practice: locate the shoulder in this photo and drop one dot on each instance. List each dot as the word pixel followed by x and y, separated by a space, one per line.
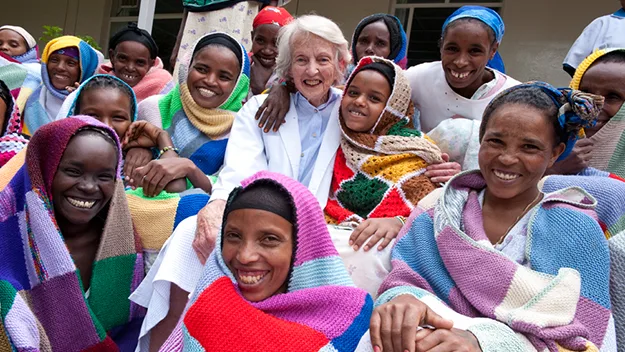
pixel 423 69
pixel 148 109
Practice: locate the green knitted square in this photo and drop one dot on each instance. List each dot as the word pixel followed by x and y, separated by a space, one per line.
pixel 98 327
pixel 110 288
pixel 169 105
pixel 7 297
pixel 361 194
pixel 400 129
pixel 161 196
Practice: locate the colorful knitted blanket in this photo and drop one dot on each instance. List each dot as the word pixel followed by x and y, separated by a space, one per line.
pixel 381 173
pixel 200 134
pixel 321 310
pixel 12 141
pixel 43 104
pixel 44 307
pixel 608 153
pixel 609 190
pixel 156 81
pixel 559 302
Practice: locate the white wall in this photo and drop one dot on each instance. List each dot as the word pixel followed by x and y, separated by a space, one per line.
pixel 539 34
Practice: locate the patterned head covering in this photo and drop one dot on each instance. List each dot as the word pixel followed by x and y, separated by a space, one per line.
pixel 585 65
pixel 491 18
pixel 11 138
pixel 88 59
pixel 35 262
pixel 272 15
pixel 380 173
pixel 399 42
pixel 576 109
pixel 336 315
pixel 31 54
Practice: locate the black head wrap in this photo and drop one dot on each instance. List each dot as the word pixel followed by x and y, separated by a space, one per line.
pixel 223 40
pixel 387 71
pixel 266 196
pixel 393 28
pixel 5 95
pixel 133 33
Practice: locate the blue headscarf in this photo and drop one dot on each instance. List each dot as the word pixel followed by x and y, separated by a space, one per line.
pixel 492 19
pixel 576 109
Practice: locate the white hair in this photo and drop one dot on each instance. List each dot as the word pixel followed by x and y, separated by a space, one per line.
pixel 319 26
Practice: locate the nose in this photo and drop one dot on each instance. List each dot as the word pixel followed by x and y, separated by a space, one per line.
pixel 461 60
pixel 107 120
pixel 312 68
pixel 88 185
pixel 247 253
pixel 508 157
pixel 369 50
pixel 360 100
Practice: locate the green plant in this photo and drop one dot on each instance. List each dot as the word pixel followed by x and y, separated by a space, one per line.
pixel 51 32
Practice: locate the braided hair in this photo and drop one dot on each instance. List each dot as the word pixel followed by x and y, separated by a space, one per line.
pixel 106 82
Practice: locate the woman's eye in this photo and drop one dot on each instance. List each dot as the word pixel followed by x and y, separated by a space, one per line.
pixel 271 240
pixel 352 93
pixel 72 172
pixel 232 236
pixel 120 118
pixel 495 141
pixel 530 147
pixel 225 78
pixel 200 69
pixel 141 63
pixel 72 63
pixel 381 44
pixel 375 99
pixel 106 177
pixel 260 41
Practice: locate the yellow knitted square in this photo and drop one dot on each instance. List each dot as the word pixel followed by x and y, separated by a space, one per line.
pixel 392 167
pixel 153 219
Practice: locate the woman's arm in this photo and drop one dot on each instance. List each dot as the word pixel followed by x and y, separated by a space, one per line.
pixel 177 301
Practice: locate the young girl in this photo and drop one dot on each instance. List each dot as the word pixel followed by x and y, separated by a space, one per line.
pixel 19 46
pixel 65 63
pixel 70 256
pixel 532 270
pixel 198 114
pixel 264 47
pixel 275 265
pixel 460 85
pixel 133 54
pixel 11 138
pixel 602 73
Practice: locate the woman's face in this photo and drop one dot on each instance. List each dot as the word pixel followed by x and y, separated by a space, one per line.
pixel 110 106
pixel 63 71
pixel 465 51
pixel 258 248
pixel 514 155
pixel 85 180
pixel 374 39
pixel 212 76
pixel 608 80
pixel 313 67
pixel 131 61
pixel 364 100
pixel 12 43
pixel 264 44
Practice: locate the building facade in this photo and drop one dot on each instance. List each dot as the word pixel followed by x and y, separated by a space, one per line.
pixel 538 32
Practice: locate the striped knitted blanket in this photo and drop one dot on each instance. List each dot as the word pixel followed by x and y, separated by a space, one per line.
pixel 44 103
pixel 321 310
pixel 156 81
pixel 381 173
pixel 559 302
pixel 609 190
pixel 12 141
pixel 44 307
pixel 200 134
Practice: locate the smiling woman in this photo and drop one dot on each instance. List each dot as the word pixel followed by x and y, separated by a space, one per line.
pixel 134 59
pixel 71 205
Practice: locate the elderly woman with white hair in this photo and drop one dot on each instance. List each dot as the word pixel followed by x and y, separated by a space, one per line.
pixel 313 54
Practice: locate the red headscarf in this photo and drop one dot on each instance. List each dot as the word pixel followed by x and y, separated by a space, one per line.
pixel 272 15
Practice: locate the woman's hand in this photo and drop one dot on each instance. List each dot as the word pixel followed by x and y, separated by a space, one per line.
pixel 376 228
pixel 158 173
pixel 72 88
pixel 578 160
pixel 136 157
pixel 208 223
pixel 393 325
pixel 443 172
pixel 271 114
pixel 142 134
pixel 443 340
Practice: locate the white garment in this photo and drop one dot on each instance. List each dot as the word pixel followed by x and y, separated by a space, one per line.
pixel 251 150
pixel 459 138
pixel 604 32
pixel 436 101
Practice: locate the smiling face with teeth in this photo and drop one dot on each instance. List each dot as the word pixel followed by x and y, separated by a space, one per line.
pixel 364 100
pixel 257 247
pixel 517 147
pixel 131 61
pixel 466 47
pixel 213 75
pixel 314 67
pixel 63 71
pixel 85 179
